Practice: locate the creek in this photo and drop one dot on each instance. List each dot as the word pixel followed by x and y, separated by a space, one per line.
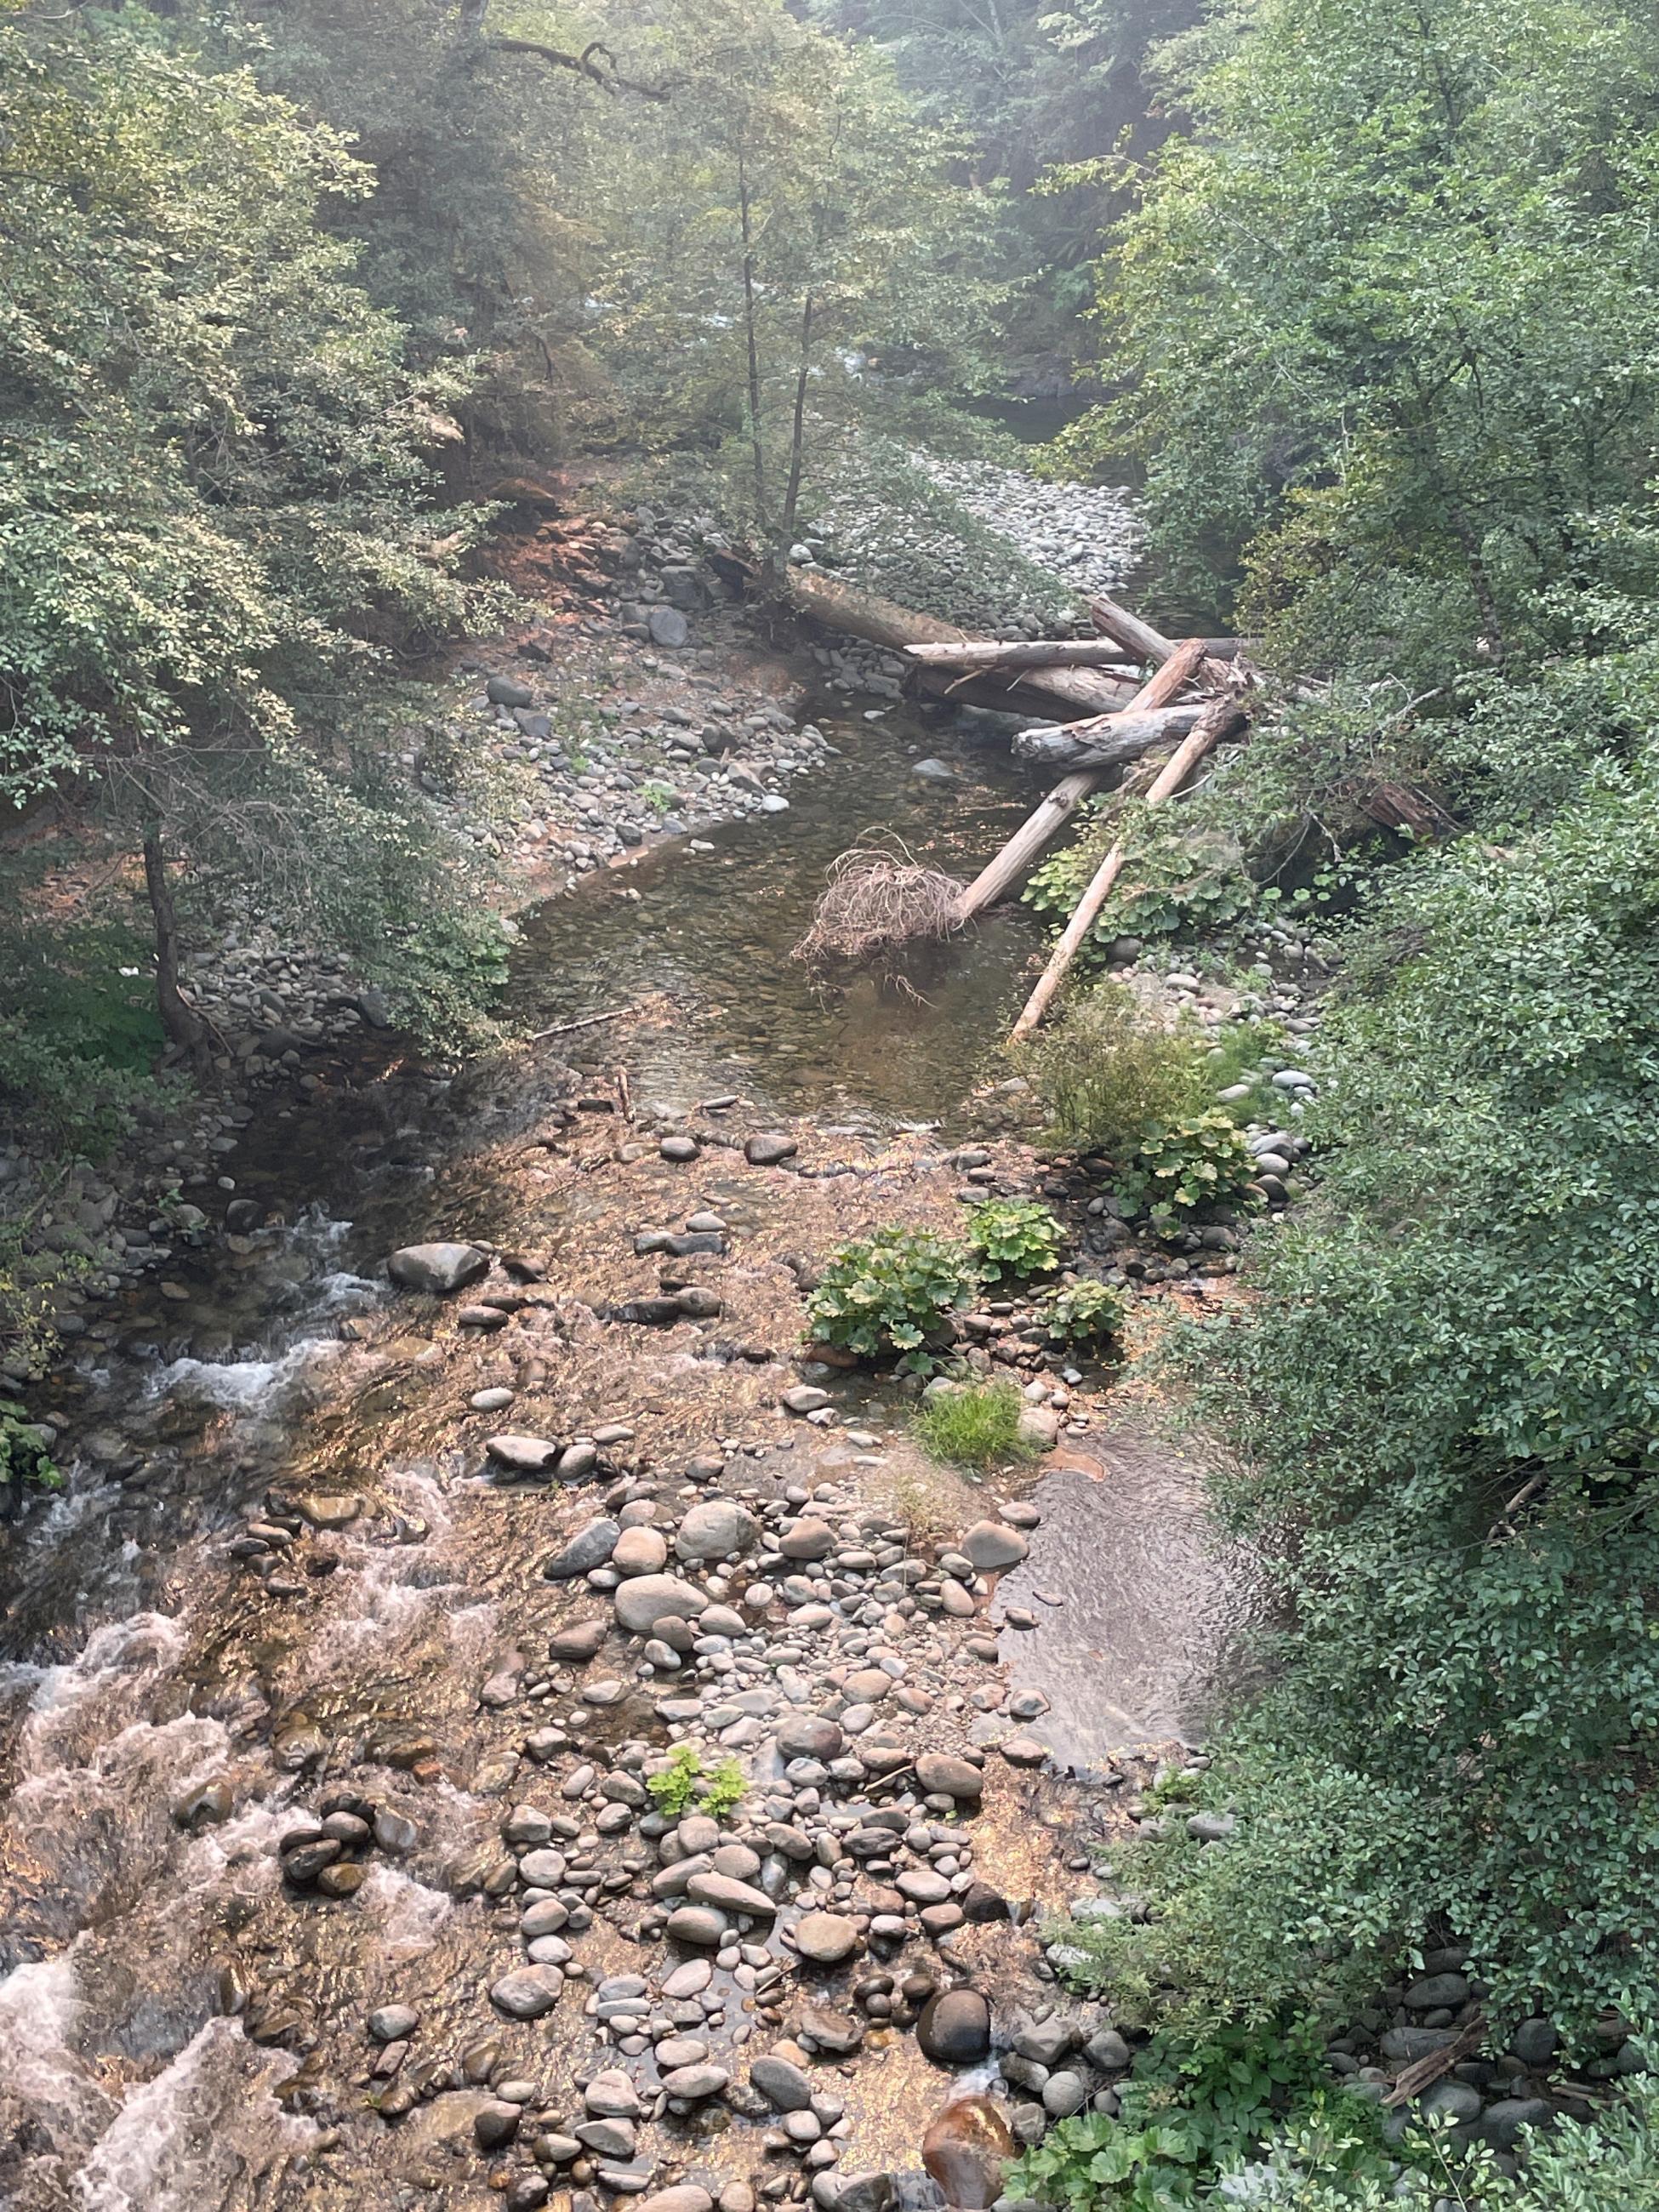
pixel 176 2033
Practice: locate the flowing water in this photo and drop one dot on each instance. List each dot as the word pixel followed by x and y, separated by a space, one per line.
pixel 138 2071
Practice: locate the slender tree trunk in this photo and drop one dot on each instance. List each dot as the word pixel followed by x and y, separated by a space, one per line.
pixel 758 453
pixel 179 1018
pixel 797 435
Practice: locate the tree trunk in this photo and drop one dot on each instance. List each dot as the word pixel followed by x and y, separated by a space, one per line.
pixel 1120 737
pixel 183 1024
pixel 1040 652
pixel 756 450
pixel 857 613
pixel 1218 719
pixel 1039 828
pixel 1137 638
pixel 797 435
pixel 1181 664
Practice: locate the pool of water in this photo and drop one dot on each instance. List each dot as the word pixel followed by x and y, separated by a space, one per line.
pixel 712 933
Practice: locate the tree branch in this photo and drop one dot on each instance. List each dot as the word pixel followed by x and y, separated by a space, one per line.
pixel 586 64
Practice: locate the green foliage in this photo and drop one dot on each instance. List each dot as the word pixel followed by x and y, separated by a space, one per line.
pixel 974 1427
pixel 1445 1393
pixel 659 797
pixel 1199 1162
pixel 25 1461
pixel 685 1786
pixel 1177 881
pixel 1086 1315
pixel 79 1032
pixel 1111 1068
pixel 891 1292
pixel 1192 2110
pixel 240 502
pixel 1609 2164
pixel 1014 1237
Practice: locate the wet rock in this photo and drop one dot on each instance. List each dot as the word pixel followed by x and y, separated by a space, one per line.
pixel 437 1268
pixel 612 2095
pixel 648 1599
pixel 991 1546
pixel 696 2083
pixel 522 1455
pixel 767 1149
pixel 1048 2039
pixel 588 1548
pixel 395 1832
pixel 835 2033
pixel 608 2138
pixel 967 2148
pixel 343 1878
pixel 697 1924
pixel 392 2023
pixel 1023 1750
pixel 715 1529
pixel 328 1509
pixel 954 2027
pixel 950 1777
pixel 826 1938
pixel 211 1801
pixel 495 2123
pixel 306 1861
pixel 786 2088
pixel 727 1894
pixel 579 1641
pixel 529 1993
pixel 686 2197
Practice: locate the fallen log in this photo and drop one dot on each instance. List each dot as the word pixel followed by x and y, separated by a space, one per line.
pixel 1139 727
pixel 1137 638
pixel 1098 735
pixel 1038 653
pixel 857 613
pixel 1216 721
pixel 1124 738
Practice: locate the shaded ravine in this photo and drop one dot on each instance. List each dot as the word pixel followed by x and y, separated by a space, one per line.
pixel 140 1672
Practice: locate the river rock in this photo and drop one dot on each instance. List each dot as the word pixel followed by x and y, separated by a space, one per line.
pixel 991 1546
pixel 696 2083
pixel 392 2023
pixel 588 1548
pixel 437 1268
pixel 507 691
pixel 727 1894
pixel 808 1735
pixel 713 1530
pixel 668 628
pixel 786 2088
pixel 803 1398
pixel 954 2027
pixel 612 2095
pixel 967 2148
pixel 578 1642
pixel 495 2123
pixel 522 1455
pixel 686 2197
pixel 643 1601
pixel 941 1772
pixel 529 1993
pixel 766 1150
pixel 826 1938
pixel 640 1551
pixel 807 1539
pixel 697 1924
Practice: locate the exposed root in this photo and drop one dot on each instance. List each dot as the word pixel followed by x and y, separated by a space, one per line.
pixel 876 901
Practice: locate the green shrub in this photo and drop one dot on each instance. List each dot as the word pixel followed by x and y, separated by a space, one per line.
pixel 1189 2113
pixel 686 1783
pixel 1014 1237
pixel 1085 1314
pixel 1177 881
pixel 891 1292
pixel 1201 1161
pixel 1111 1068
pixel 976 1427
pixel 25 1460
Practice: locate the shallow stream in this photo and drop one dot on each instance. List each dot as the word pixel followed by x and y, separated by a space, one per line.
pixel 134 1672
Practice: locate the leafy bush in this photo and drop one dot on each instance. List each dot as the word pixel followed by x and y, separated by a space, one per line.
pixel 976 1427
pixel 1085 1314
pixel 1179 880
pixel 685 1783
pixel 1445 1396
pixel 1111 1068
pixel 25 1460
pixel 1610 2164
pixel 1201 1161
pixel 891 1292
pixel 1189 2113
pixel 1014 1237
